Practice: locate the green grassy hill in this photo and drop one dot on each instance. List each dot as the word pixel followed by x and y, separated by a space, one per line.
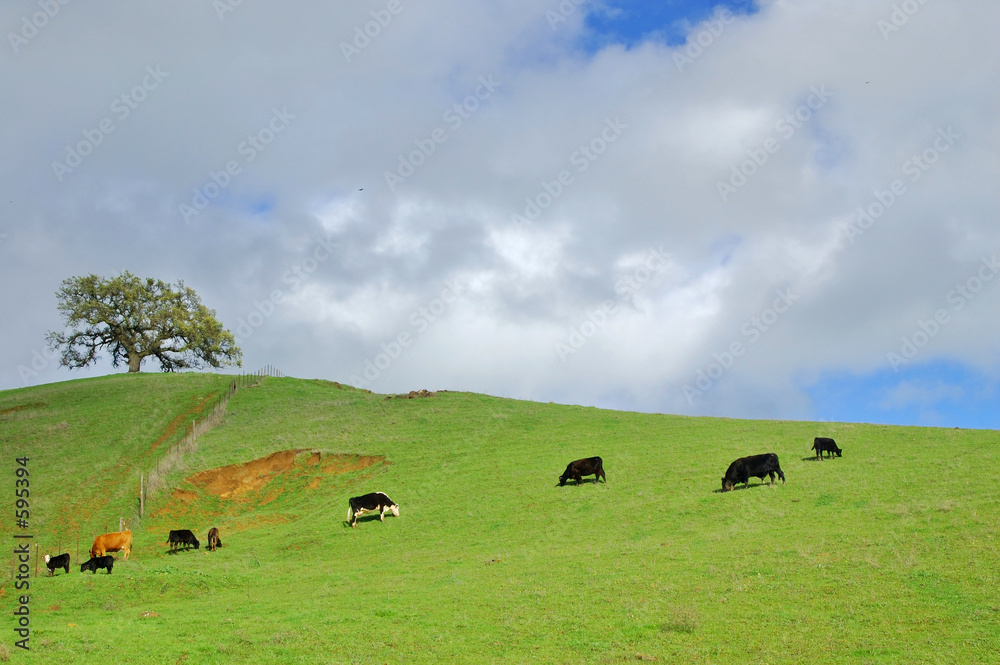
pixel 886 555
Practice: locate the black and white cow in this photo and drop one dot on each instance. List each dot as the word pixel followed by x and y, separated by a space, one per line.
pixel 369 503
pixel 182 537
pixel 823 444
pixel 106 561
pixel 754 465
pixel 53 562
pixel 583 467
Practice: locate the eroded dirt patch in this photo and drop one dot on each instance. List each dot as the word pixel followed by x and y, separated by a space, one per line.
pixel 229 491
pixel 229 482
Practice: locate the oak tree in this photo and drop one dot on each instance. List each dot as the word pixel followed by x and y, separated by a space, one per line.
pixel 133 319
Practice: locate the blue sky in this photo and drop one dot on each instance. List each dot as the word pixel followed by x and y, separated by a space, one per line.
pixel 934 394
pixel 669 21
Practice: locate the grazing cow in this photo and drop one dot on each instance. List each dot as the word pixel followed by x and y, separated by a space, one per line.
pixel 182 537
pixel 823 443
pixel 53 562
pixel 98 562
pixel 583 467
pixel 213 539
pixel 370 503
pixel 754 465
pixel 120 541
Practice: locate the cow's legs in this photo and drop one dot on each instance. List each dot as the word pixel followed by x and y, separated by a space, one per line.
pixel 381 514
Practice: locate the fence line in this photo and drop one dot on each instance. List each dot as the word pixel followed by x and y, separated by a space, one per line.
pixel 152 483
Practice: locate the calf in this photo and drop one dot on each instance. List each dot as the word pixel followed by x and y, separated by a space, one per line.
pixel 370 503
pixel 96 562
pixel 823 443
pixel 53 562
pixel 583 467
pixel 182 537
pixel 213 539
pixel 754 465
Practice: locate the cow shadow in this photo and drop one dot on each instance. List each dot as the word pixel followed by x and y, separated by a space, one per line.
pixel 362 519
pixel 573 483
pixel 740 487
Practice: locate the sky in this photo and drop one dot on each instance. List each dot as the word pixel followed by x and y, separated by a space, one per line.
pixel 771 209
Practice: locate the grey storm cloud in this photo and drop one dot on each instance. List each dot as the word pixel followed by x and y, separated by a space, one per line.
pixel 534 219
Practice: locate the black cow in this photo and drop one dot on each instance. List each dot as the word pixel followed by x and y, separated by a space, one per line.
pixel 53 562
pixel 370 503
pixel 754 465
pixel 182 537
pixel 106 561
pixel 213 539
pixel 583 467
pixel 823 443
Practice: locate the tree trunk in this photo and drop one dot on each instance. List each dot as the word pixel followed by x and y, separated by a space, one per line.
pixel 134 360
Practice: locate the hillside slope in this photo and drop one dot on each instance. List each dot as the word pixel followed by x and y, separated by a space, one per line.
pixel 887 554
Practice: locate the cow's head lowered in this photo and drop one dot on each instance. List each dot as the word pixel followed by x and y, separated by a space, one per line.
pixel 394 509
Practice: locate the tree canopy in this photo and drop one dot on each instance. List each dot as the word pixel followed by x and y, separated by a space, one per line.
pixel 133 319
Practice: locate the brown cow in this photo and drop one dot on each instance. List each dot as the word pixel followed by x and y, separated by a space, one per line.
pixel 120 541
pixel 213 539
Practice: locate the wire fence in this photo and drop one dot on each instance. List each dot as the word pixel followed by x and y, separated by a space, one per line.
pixel 153 482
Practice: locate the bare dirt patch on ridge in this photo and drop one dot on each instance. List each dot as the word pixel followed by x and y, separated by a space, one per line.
pixel 230 491
pixel 230 482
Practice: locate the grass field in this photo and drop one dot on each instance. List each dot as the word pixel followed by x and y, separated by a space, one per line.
pixel 889 554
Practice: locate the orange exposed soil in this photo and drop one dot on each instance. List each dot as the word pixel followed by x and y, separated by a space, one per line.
pixel 229 482
pixel 262 481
